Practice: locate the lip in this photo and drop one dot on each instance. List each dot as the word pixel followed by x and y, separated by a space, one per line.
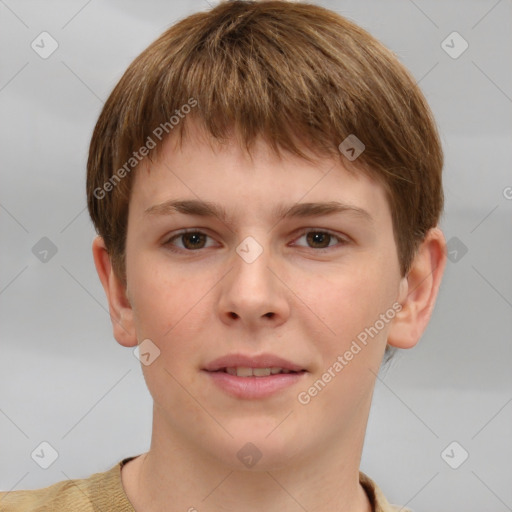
pixel 252 388
pixel 259 361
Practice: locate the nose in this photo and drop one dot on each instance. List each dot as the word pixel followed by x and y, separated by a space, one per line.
pixel 253 293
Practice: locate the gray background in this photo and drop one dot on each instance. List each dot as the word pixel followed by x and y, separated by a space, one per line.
pixel 65 380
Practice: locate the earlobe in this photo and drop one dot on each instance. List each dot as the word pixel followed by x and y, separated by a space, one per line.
pixel 418 291
pixel 121 313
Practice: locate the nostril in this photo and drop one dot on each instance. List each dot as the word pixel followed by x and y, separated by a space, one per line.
pixel 233 315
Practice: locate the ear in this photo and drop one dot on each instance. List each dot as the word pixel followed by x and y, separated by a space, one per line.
pixel 121 313
pixel 418 291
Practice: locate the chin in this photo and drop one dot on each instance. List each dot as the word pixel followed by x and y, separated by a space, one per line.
pixel 254 449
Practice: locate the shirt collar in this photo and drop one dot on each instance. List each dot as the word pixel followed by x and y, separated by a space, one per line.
pixel 377 499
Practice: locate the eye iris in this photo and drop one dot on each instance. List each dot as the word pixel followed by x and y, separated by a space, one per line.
pixel 196 240
pixel 197 237
pixel 318 237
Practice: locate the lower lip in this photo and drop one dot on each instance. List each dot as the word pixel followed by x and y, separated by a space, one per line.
pixel 254 387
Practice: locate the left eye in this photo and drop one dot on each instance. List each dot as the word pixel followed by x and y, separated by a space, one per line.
pixel 321 239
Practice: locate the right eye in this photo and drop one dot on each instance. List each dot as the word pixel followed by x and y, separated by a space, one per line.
pixel 191 240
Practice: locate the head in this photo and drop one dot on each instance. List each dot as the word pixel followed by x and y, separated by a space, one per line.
pixel 248 106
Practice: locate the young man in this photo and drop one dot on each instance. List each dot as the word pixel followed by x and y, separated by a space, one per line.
pixel 265 180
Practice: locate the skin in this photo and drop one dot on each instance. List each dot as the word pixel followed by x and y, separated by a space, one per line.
pixel 198 305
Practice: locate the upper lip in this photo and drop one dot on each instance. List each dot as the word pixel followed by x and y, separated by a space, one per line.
pixel 255 361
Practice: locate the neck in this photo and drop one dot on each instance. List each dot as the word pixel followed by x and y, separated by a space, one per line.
pixel 176 476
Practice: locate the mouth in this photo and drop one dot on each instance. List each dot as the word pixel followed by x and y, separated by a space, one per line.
pixel 247 371
pixel 253 377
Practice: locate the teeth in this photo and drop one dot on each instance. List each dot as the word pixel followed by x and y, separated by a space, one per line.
pixel 244 371
pixel 261 372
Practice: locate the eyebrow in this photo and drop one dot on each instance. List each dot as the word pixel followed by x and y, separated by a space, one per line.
pixel 282 211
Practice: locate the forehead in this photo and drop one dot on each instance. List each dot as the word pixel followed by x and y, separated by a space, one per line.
pixel 243 184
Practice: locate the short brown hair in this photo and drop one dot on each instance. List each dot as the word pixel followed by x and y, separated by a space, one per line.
pixel 296 74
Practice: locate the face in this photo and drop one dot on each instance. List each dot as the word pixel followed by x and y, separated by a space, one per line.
pixel 268 276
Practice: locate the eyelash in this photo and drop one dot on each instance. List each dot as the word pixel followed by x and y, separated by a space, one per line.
pixel 169 245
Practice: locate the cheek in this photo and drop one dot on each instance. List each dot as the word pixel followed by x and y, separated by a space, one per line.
pixel 166 310
pixel 161 299
pixel 350 306
pixel 171 307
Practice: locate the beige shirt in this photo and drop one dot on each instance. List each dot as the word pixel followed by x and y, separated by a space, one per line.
pixel 105 492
